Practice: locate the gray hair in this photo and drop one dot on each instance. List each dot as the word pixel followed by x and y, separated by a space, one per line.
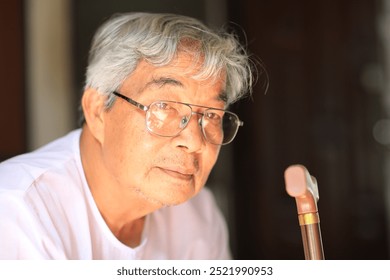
pixel 126 39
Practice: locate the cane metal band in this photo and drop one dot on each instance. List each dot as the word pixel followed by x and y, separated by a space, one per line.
pixel 308 218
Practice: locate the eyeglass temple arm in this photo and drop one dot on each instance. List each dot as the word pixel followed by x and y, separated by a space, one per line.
pixel 131 101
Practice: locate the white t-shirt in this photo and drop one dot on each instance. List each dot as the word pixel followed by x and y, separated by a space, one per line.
pixel 47 212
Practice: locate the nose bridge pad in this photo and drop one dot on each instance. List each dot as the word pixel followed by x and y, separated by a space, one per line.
pixel 200 121
pixel 199 116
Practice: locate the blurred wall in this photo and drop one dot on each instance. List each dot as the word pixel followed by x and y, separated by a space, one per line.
pixel 12 79
pixel 381 130
pixel 326 68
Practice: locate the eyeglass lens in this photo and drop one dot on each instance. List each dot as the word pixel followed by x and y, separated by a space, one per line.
pixel 168 119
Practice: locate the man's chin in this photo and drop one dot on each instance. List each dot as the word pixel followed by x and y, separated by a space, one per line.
pixel 169 195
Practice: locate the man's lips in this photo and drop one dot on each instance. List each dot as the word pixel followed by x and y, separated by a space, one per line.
pixel 180 173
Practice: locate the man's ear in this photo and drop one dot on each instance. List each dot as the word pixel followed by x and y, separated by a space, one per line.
pixel 92 103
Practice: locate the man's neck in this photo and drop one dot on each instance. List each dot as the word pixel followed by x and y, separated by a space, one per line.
pixel 123 210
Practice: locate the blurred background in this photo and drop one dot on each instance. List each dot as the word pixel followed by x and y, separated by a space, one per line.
pixel 327 107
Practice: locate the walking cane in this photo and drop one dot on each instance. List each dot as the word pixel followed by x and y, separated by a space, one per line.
pixel 303 187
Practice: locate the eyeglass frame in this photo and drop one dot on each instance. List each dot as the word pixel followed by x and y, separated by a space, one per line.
pixel 146 108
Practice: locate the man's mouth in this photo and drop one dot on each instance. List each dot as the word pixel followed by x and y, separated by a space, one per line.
pixel 178 173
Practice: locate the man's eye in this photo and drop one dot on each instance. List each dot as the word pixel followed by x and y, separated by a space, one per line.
pixel 212 116
pixel 163 106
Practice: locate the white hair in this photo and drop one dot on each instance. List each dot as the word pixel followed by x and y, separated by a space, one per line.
pixel 126 39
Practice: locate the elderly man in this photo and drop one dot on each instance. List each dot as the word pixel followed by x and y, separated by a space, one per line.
pixel 129 183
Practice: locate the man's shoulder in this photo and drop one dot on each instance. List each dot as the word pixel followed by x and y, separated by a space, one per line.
pixel 20 172
pixel 194 229
pixel 204 198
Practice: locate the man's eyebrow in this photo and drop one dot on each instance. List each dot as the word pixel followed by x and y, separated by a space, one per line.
pixel 163 81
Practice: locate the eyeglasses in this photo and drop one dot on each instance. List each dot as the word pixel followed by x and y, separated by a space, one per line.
pixel 169 118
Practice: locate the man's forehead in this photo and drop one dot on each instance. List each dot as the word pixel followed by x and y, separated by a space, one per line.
pixel 176 74
pixel 162 80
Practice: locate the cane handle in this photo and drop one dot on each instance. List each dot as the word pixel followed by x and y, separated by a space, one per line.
pixel 301 185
